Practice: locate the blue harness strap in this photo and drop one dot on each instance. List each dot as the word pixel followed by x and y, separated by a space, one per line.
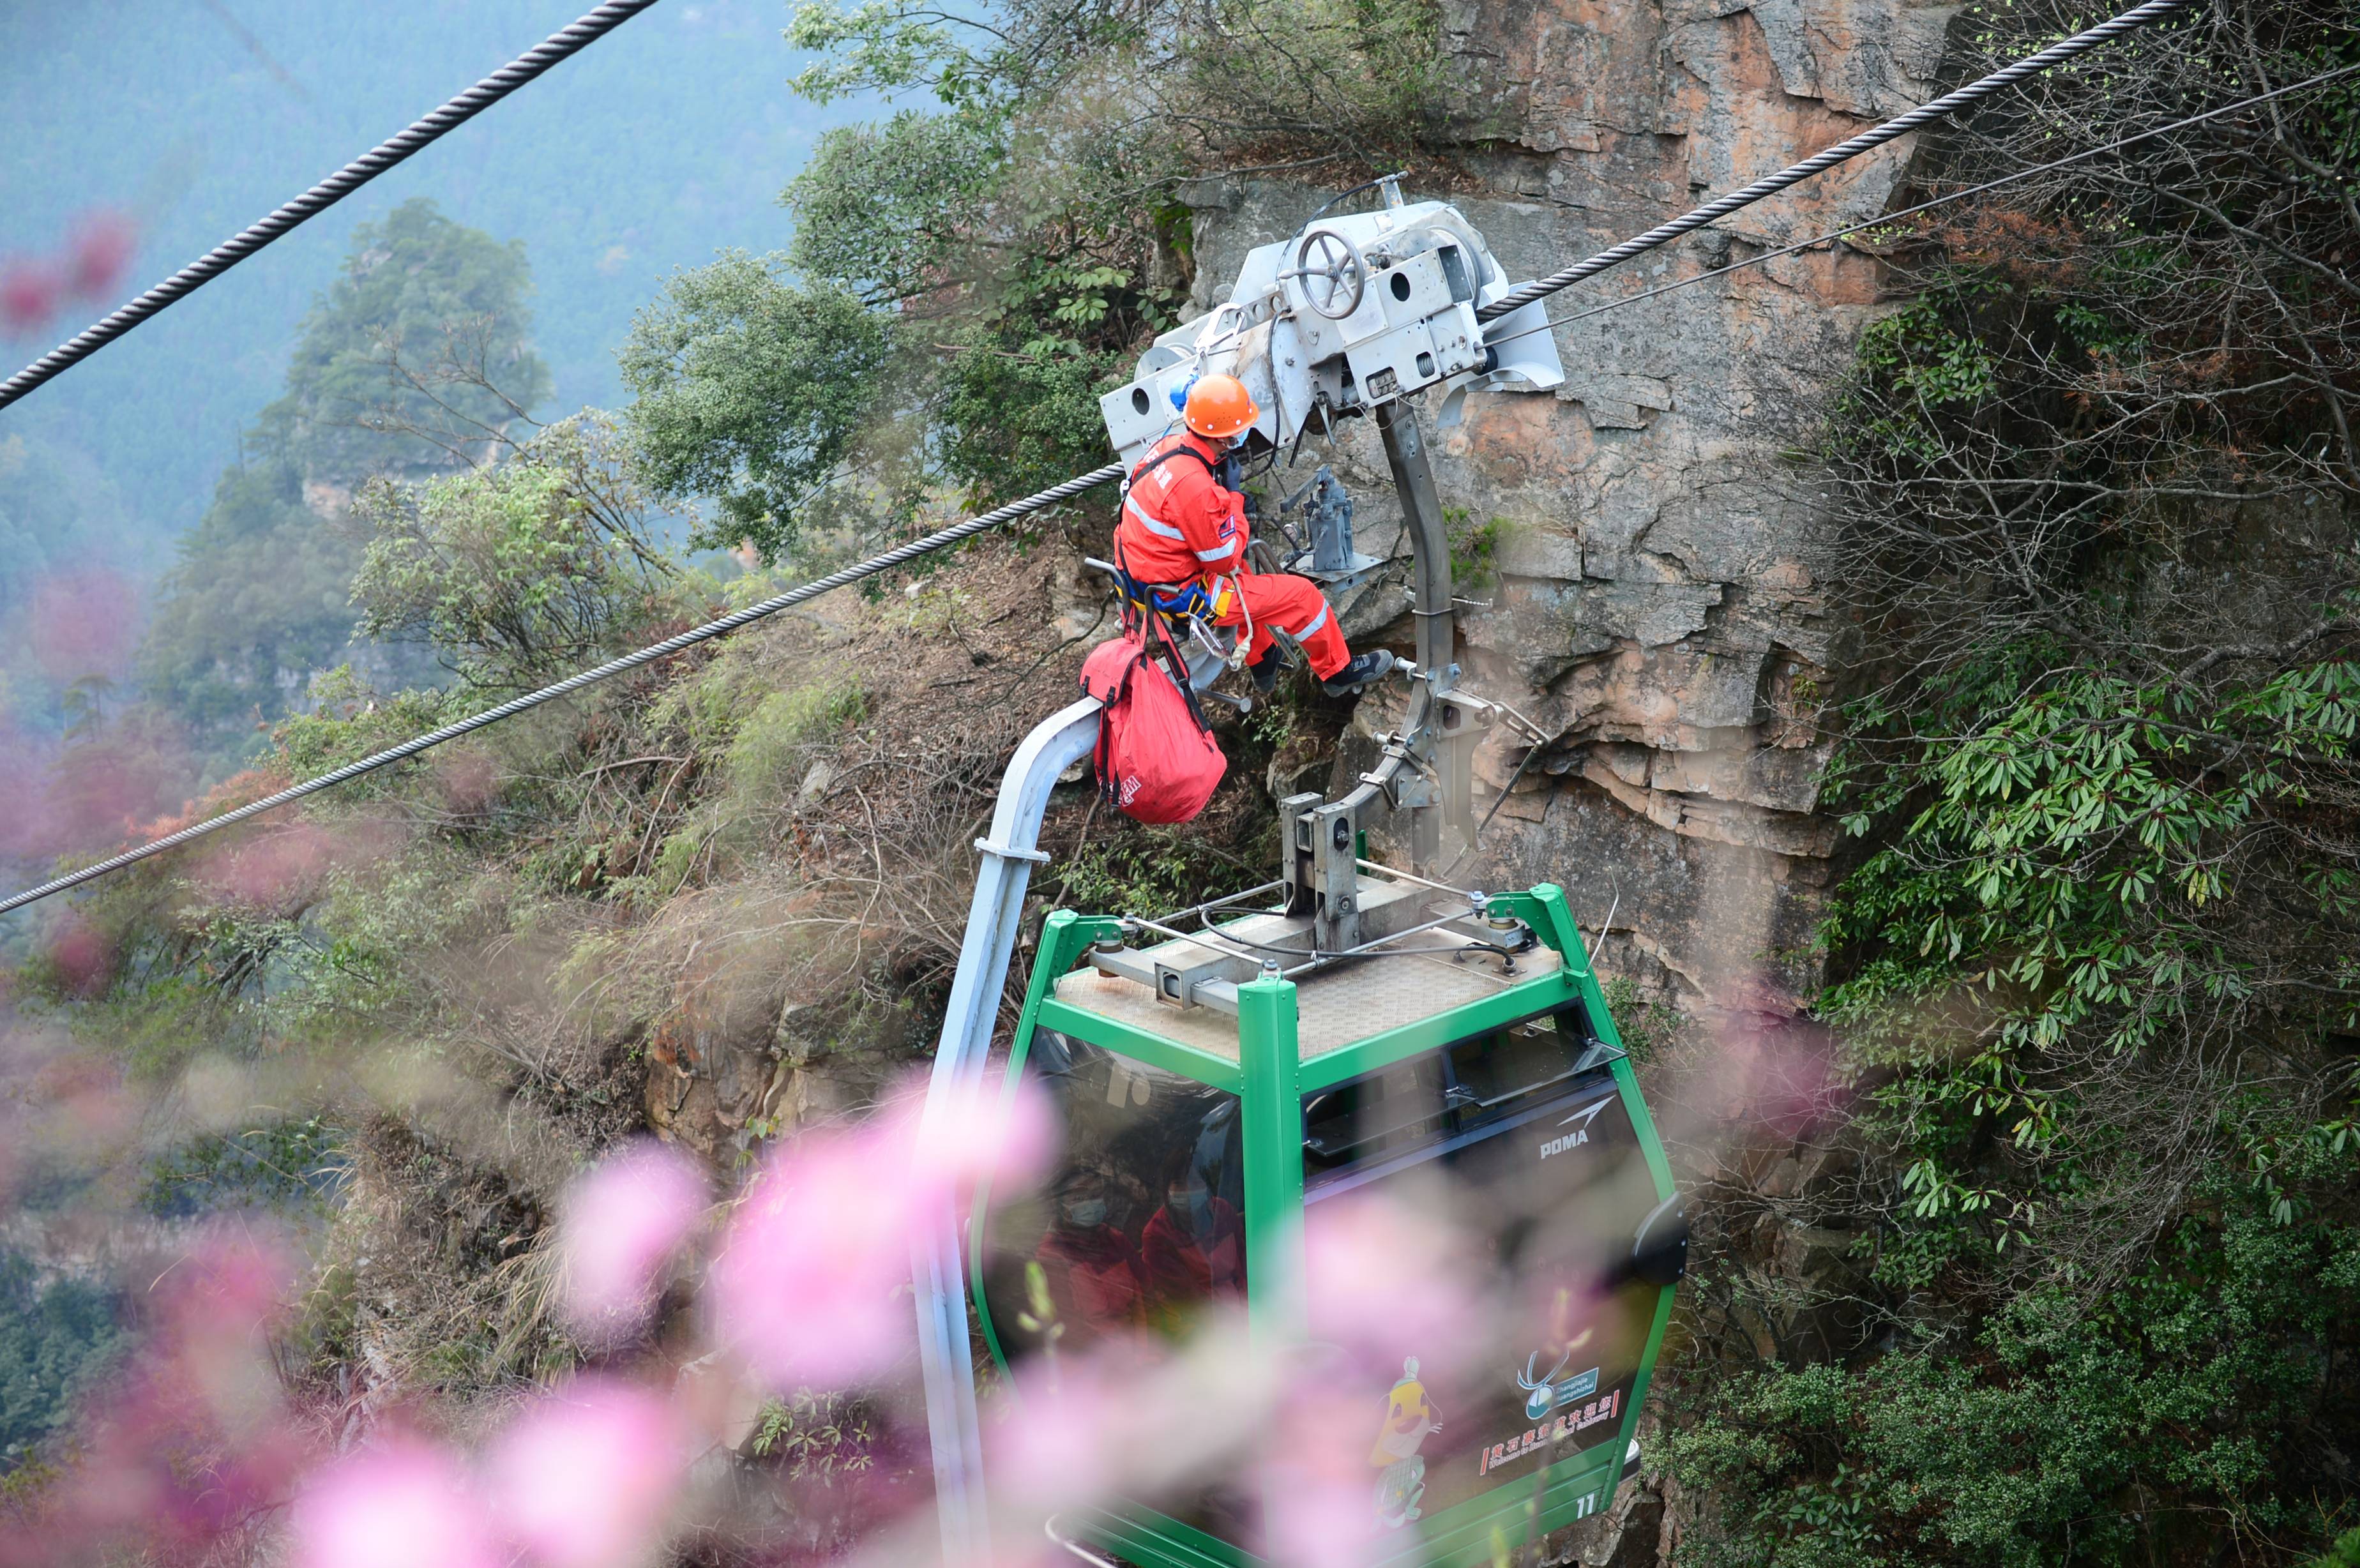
pixel 1181 601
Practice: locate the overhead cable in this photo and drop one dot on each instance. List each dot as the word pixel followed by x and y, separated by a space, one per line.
pixel 1818 163
pixel 572 683
pixel 558 45
pixel 1887 219
pixel 2078 44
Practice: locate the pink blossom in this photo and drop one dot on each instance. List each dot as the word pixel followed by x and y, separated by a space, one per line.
pixel 258 871
pixel 82 956
pixel 810 1285
pixel 1318 1483
pixel 403 1505
pixel 1775 1068
pixel 1054 1448
pixel 1386 1279
pixel 99 250
pixel 468 779
pixel 980 1135
pixel 807 1285
pixel 586 1476
pixel 618 1227
pixel 1136 1417
pixel 29 292
pixel 84 623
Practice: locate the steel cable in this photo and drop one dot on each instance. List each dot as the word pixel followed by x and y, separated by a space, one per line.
pixel 1818 163
pixel 327 193
pixel 575 683
pixel 1883 220
pixel 606 18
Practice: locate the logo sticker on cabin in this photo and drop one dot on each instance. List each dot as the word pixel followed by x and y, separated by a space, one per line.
pixel 1410 1420
pixel 1544 1395
pixel 1533 1439
pixel 1580 1135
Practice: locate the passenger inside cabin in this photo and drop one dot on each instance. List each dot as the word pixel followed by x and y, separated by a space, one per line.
pixel 1091 1268
pixel 1194 1247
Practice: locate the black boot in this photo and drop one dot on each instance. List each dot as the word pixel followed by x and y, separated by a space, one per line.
pixel 1265 669
pixel 1365 670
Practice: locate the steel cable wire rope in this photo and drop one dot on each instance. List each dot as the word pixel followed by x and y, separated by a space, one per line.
pixel 729 623
pixel 1889 218
pixel 525 67
pixel 1842 152
pixel 2079 43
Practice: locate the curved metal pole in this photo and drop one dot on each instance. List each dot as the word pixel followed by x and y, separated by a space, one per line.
pixel 1405 452
pixel 1429 545
pixel 946 1354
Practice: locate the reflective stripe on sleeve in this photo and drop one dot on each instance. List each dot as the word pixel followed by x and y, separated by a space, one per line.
pixel 1160 530
pixel 1221 554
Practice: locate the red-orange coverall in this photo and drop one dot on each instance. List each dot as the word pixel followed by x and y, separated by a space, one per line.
pixel 1180 525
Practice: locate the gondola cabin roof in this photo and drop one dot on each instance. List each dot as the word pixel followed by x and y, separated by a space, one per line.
pixel 1401 982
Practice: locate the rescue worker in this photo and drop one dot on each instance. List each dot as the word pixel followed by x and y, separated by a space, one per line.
pixel 1181 525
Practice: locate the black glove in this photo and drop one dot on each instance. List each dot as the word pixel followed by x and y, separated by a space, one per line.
pixel 1232 472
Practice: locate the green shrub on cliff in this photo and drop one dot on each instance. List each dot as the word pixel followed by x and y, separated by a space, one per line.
pixel 2095 975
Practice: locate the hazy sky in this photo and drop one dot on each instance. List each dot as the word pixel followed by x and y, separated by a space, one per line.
pixel 664 141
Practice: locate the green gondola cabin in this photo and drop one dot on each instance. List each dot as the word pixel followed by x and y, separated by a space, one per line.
pixel 1211 1107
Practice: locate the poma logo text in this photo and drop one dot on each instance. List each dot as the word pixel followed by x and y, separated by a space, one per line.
pixel 1580 1135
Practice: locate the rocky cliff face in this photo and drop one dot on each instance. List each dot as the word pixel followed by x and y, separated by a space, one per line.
pixel 1654 590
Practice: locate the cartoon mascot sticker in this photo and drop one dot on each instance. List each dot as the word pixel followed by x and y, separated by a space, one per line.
pixel 1410 1416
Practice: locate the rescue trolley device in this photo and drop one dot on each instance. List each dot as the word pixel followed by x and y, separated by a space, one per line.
pixel 1226 1073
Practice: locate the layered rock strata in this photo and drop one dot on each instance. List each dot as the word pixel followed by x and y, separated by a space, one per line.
pixel 1645 561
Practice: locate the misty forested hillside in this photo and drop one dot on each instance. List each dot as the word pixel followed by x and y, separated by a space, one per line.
pixel 666 143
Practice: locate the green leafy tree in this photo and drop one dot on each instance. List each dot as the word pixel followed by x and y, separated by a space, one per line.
pixel 752 390
pixel 887 211
pixel 54 1340
pixel 512 571
pixel 416 357
pixel 964 284
pixel 412 363
pixel 258 600
pixel 2095 971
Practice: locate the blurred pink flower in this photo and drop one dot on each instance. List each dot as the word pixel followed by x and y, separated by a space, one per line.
pixel 1777 1069
pixel 809 1284
pixel 1137 1416
pixel 1386 1281
pixel 1318 1485
pixel 468 779
pixel 101 249
pixel 586 1476
pixel 1056 1447
pixel 84 624
pixel 977 1135
pixel 806 1283
pixel 30 293
pixel 84 958
pixel 257 870
pixel 402 1505
pixel 619 1224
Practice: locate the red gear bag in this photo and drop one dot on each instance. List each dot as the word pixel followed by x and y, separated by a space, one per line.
pixel 1156 758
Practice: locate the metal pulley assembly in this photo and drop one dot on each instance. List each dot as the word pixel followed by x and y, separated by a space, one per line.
pixel 1352 312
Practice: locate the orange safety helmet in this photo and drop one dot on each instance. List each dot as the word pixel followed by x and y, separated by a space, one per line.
pixel 1219 406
